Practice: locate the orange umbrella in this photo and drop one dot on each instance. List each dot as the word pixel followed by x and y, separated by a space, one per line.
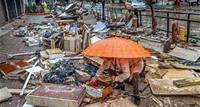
pixel 116 47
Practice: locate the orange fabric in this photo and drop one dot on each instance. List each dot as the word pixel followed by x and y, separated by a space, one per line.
pixel 116 47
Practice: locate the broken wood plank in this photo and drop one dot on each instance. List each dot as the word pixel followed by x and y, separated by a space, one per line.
pixel 4 94
pixel 181 66
pixel 166 87
pixel 186 54
pixel 17 91
pixel 73 58
pixel 178 73
pixel 186 82
pixel 20 54
pixel 157 101
pixel 95 60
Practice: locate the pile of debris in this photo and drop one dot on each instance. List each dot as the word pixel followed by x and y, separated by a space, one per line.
pixel 62 75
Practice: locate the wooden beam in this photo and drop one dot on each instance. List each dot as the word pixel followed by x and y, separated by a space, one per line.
pixel 17 91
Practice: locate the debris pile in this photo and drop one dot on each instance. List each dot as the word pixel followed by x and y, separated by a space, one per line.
pixel 62 75
pixel 59 72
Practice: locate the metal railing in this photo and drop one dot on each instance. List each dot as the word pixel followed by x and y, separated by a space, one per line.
pixel 166 14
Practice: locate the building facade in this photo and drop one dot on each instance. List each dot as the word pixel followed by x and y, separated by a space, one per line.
pixel 10 10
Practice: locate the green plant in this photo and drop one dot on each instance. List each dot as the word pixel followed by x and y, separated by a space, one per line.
pixel 28 8
pixel 34 7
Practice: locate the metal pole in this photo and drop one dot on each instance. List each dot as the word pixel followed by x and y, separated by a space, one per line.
pixel 103 10
pixel 167 24
pixel 188 27
pixel 140 14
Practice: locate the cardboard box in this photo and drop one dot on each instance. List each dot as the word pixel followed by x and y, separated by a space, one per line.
pixel 99 89
pixel 55 53
pixel 72 43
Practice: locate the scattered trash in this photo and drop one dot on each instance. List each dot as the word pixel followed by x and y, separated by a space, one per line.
pixel 90 69
pixel 63 73
pixel 59 72
pixel 99 27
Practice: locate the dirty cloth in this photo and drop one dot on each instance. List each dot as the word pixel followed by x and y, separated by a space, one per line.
pixel 128 67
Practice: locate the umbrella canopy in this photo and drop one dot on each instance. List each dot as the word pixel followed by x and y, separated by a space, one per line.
pixel 116 47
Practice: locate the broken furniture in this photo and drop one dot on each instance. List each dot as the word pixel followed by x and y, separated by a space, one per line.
pixel 53 41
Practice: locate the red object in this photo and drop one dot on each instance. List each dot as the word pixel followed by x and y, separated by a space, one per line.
pixel 116 47
pixel 174 32
pixel 99 84
pixel 178 3
pixel 13 66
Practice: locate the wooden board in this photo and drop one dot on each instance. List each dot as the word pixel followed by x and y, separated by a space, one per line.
pixel 52 95
pixel 154 72
pixel 14 67
pixel 166 87
pixel 186 82
pixel 180 66
pixel 183 53
pixel 95 60
pixel 17 91
pixel 121 102
pixel 178 73
pixel 157 46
